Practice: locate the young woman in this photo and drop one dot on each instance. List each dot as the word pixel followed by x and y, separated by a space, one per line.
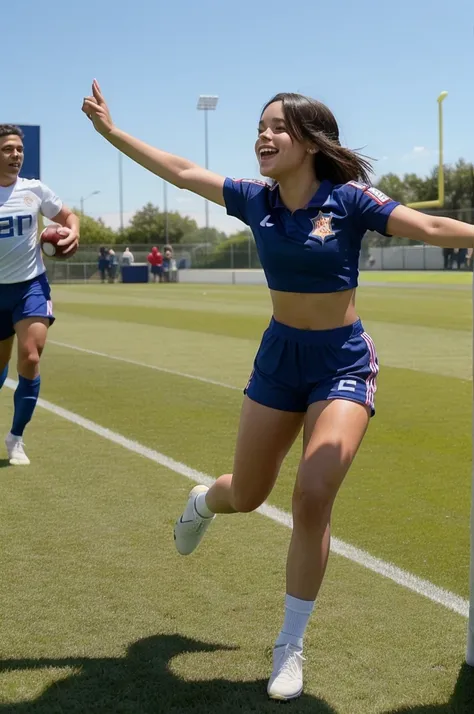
pixel 316 368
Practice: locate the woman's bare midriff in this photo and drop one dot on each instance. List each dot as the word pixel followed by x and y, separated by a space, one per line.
pixel 314 311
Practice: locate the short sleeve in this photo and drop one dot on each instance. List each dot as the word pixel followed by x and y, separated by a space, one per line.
pixel 371 207
pixel 238 197
pixel 50 203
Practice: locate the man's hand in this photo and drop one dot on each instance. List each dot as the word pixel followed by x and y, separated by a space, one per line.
pixel 71 239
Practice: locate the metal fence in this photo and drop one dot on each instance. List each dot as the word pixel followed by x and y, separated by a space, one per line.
pixel 242 254
pixel 227 254
pixel 401 257
pixel 83 265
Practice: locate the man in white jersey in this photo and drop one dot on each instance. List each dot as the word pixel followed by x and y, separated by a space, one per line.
pixel 26 309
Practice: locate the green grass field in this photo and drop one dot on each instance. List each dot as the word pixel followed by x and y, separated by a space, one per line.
pixel 436 277
pixel 98 612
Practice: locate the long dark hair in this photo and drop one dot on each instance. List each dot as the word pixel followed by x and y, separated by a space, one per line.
pixel 310 121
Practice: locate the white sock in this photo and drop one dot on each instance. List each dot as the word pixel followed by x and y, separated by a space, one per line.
pixel 297 614
pixel 201 506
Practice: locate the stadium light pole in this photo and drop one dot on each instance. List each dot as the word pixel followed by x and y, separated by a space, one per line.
pixel 207 103
pixel 84 198
pixel 120 182
pixel 165 209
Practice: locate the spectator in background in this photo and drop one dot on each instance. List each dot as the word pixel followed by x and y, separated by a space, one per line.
pixel 113 263
pixel 173 270
pixel 169 265
pixel 448 254
pixel 155 258
pixel 103 263
pixel 470 251
pixel 461 255
pixel 127 257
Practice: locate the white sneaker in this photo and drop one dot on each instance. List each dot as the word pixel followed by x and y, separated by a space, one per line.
pixel 190 527
pixel 286 681
pixel 16 451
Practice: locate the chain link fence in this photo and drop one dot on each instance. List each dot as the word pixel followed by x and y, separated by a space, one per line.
pixel 378 253
pixel 419 257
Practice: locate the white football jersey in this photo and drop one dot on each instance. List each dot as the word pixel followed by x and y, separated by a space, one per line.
pixel 20 205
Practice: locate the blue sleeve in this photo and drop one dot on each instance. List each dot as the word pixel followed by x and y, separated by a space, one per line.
pixel 238 196
pixel 371 207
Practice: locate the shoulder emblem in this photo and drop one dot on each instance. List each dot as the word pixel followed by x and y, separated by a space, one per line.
pixel 378 196
pixel 374 193
pixel 255 181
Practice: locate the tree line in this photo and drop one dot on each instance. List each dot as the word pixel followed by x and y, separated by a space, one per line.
pixel 458 188
pixel 150 226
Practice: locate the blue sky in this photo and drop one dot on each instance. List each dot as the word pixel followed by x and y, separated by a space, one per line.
pixel 379 66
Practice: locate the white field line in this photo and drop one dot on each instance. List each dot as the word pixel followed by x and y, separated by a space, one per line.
pixel 143 364
pixel 411 582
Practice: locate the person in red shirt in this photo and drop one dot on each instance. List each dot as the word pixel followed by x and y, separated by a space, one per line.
pixel 155 258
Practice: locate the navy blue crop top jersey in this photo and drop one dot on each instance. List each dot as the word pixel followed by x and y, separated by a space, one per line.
pixel 315 249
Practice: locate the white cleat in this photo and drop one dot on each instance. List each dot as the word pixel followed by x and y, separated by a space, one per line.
pixel 286 681
pixel 16 451
pixel 190 527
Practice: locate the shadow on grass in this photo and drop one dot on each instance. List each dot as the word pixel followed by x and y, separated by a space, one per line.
pixel 143 683
pixel 461 701
pixel 4 463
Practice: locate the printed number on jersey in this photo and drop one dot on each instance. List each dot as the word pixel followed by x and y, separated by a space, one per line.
pixel 15 226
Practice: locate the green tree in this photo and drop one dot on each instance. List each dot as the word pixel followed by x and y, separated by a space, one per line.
pixel 393 186
pixel 205 235
pixel 238 251
pixel 459 185
pixel 95 231
pixel 459 192
pixel 148 225
pixel 458 179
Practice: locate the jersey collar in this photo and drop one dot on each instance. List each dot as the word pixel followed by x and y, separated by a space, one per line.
pixel 317 201
pixel 12 186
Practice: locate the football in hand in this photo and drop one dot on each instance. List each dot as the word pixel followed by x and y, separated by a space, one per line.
pixel 49 240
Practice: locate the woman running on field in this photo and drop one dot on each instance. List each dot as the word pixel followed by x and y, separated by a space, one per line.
pixel 316 368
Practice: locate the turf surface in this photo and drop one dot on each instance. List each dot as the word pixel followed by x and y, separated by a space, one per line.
pixel 99 613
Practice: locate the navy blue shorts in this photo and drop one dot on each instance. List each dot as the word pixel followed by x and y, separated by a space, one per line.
pixel 18 301
pixel 156 270
pixel 295 368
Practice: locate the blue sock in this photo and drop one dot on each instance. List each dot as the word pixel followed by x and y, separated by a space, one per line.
pixel 26 396
pixel 3 376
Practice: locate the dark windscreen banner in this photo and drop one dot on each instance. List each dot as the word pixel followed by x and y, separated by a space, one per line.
pixel 31 168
